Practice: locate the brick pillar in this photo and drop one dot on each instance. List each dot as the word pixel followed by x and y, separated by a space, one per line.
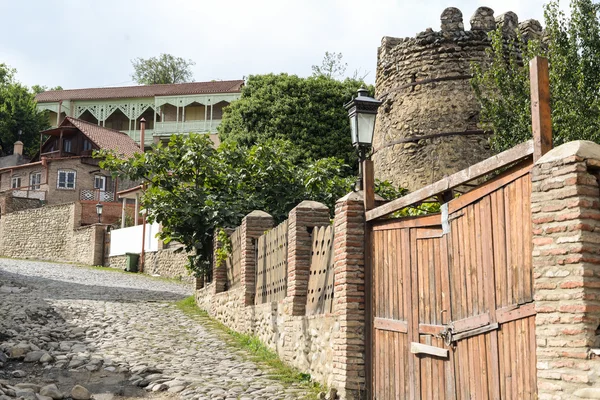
pixel 219 272
pixel 253 226
pixel 301 220
pixel 565 208
pixel 349 297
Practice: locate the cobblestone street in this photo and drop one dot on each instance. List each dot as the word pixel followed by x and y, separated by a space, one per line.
pixel 117 335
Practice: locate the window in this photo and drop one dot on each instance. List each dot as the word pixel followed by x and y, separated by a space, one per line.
pixel 67 145
pixel 66 180
pixel 87 145
pixel 34 180
pixel 16 182
pixel 100 182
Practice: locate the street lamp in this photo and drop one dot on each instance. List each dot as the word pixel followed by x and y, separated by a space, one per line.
pixel 362 111
pixel 99 211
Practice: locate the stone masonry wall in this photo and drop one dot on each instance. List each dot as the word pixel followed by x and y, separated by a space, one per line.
pixel 51 233
pixel 303 342
pixel 169 264
pixel 330 347
pixel 566 259
pixel 118 262
pixel 424 83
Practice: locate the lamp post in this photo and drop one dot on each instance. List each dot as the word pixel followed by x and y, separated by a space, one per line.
pixel 99 211
pixel 362 111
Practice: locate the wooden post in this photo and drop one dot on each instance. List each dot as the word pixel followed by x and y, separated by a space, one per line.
pixel 368 184
pixel 541 120
pixel 368 175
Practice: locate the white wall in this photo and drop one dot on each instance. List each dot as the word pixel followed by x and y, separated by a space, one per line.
pixel 129 240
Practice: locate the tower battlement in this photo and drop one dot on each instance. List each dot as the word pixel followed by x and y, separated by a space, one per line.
pixel 427 127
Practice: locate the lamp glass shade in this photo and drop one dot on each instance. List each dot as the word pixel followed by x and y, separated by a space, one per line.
pixel 366 127
pixel 353 129
pixel 99 209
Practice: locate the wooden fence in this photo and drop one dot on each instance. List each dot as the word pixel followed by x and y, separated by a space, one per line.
pixel 452 311
pixel 234 261
pixel 271 265
pixel 319 299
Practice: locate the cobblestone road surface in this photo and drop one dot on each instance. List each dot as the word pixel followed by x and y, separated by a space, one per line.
pixel 117 335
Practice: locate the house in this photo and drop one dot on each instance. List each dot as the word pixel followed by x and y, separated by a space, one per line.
pixel 64 170
pixel 168 109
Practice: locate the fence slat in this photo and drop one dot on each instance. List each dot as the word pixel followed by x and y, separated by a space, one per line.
pixel 271 265
pixel 319 298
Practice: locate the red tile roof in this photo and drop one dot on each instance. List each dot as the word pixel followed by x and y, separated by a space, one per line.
pixel 141 91
pixel 106 138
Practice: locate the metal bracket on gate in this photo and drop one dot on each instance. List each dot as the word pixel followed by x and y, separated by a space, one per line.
pixel 445 222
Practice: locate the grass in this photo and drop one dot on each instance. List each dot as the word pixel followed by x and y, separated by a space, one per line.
pixel 256 349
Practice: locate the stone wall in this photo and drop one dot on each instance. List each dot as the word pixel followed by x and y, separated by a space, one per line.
pixel 330 347
pixel 427 126
pixel 119 262
pixel 9 204
pixel 566 259
pixel 306 342
pixel 51 233
pixel 165 263
pixel 169 264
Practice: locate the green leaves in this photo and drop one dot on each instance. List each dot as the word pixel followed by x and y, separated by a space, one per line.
pixel 194 188
pixel 18 112
pixel 573 50
pixel 309 112
pixel 162 69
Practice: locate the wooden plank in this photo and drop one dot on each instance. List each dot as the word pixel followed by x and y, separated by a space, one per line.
pixel 408 310
pixel 519 239
pixel 431 329
pixel 508 314
pixel 532 355
pixel 419 348
pixel 437 254
pixel 396 365
pixel 431 233
pixel 368 176
pixel 486 215
pixel 388 324
pixel 369 299
pixel 477 248
pixel 482 168
pixel 470 323
pixel 504 179
pixel 460 272
pixel 541 119
pixel 499 245
pixel 468 308
pixel 508 202
pixel 527 240
pixel 408 222
pixel 413 329
pixel 386 364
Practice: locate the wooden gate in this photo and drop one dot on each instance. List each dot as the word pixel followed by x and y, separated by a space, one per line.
pixel 452 309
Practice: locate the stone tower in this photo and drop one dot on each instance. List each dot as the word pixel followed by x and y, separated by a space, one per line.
pixel 427 126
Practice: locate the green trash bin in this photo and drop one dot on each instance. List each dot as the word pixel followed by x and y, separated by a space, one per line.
pixel 131 262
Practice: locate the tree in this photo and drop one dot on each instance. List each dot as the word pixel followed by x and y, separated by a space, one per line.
pixel 194 188
pixel 573 50
pixel 162 69
pixel 309 112
pixel 37 89
pixel 19 116
pixel 332 66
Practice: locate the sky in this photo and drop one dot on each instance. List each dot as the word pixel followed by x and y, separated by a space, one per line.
pixel 87 43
